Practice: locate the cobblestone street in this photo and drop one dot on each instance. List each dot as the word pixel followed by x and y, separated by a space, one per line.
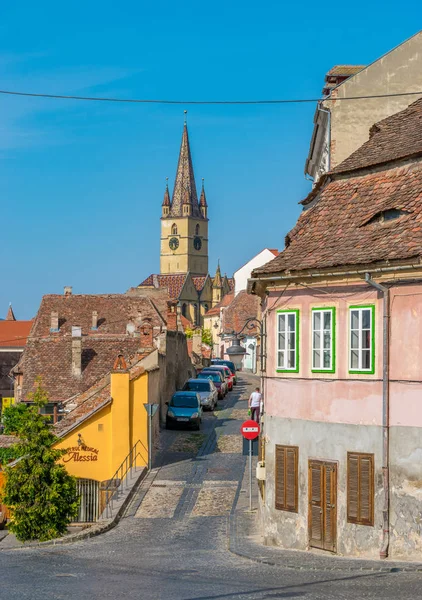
pixel 173 542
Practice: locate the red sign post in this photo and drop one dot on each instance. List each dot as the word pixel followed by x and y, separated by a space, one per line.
pixel 250 430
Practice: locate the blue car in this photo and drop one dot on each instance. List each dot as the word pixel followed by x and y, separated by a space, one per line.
pixel 184 409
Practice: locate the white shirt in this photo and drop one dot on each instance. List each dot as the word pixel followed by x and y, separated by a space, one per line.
pixel 255 399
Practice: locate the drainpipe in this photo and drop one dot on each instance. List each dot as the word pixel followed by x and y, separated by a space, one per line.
pixel 385 413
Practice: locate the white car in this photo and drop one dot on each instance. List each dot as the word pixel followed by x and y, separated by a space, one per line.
pixel 206 390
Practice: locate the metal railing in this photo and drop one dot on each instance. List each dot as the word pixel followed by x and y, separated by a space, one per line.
pixel 112 489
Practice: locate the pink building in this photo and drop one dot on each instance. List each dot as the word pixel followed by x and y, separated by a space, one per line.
pixel 343 383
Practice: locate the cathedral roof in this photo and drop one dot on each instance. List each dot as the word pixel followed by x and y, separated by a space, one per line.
pixel 184 187
pixel 174 283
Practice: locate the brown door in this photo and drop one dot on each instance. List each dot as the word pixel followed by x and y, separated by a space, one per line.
pixel 322 516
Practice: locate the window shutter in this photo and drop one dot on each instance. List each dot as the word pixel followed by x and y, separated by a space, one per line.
pixel 366 494
pixel 330 509
pixel 360 488
pixel 291 478
pixel 315 501
pixel 352 489
pixel 286 478
pixel 279 477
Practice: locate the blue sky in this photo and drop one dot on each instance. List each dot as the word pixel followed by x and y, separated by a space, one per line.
pixel 82 183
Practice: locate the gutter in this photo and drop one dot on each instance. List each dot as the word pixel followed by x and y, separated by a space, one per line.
pixel 385 412
pixel 320 274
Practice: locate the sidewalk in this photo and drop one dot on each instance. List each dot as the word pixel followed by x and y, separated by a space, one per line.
pixel 245 540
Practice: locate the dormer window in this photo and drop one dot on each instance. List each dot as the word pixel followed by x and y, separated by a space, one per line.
pixel 384 216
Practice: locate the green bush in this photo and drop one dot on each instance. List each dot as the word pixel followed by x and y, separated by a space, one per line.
pixel 39 492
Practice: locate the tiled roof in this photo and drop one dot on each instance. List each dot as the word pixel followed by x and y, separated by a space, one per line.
pixel 343 224
pixel 199 281
pixel 274 251
pixel 49 354
pixel 230 281
pixel 10 314
pixel 186 324
pixel 395 137
pixel 345 70
pixel 226 301
pixel 13 334
pixel 243 307
pixel 184 187
pixel 337 230
pixel 174 283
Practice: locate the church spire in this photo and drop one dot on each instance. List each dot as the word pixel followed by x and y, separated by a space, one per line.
pixel 184 192
pixel 166 201
pixel 217 282
pixel 10 314
pixel 203 201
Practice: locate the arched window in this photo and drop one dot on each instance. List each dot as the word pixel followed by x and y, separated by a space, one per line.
pixel 184 309
pixel 197 230
pixel 206 308
pixel 174 229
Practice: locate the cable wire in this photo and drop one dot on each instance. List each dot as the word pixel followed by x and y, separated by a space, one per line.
pixel 201 102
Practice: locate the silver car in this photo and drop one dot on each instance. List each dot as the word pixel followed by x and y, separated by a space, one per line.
pixel 206 390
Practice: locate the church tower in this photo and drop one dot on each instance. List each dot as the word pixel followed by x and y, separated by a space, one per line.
pixel 184 221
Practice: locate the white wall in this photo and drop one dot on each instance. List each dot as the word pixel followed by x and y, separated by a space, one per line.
pixel 242 275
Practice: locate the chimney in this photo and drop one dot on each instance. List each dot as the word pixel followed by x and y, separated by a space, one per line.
pixel 76 351
pixel 171 316
pixel 67 290
pixel 197 342
pixel 146 335
pixel 94 325
pixel 54 323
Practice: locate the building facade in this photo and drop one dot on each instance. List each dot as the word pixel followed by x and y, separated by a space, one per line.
pixel 341 126
pixel 342 304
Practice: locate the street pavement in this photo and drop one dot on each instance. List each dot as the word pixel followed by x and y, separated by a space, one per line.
pixel 174 540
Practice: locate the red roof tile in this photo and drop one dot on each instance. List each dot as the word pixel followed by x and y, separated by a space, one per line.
pixel 49 354
pixel 342 223
pixel 13 334
pixel 174 283
pixel 198 282
pixel 243 307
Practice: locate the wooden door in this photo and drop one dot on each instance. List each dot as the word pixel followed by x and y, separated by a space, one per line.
pixel 322 517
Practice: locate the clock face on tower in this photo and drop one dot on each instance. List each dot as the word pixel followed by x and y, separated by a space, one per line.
pixel 197 243
pixel 173 243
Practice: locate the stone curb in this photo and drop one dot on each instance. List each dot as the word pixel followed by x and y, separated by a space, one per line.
pixel 92 531
pixel 239 545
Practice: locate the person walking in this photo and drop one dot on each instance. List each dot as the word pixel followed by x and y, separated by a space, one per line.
pixel 254 404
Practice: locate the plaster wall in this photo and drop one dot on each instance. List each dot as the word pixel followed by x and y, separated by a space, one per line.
pixel 242 275
pixel 185 258
pixel 397 71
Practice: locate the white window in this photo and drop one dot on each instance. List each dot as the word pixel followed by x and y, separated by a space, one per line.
pixel 323 339
pixel 361 339
pixel 287 340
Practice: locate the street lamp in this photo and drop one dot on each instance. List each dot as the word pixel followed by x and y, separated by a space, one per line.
pixel 236 352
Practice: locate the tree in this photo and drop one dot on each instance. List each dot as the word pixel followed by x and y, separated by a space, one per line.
pixel 206 335
pixel 40 493
pixel 12 417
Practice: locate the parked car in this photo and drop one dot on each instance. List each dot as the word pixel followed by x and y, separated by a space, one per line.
pixel 218 380
pixel 206 389
pixel 227 374
pixel 226 363
pixel 184 409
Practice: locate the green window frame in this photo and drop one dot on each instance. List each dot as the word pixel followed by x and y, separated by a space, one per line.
pixel 362 339
pixel 287 354
pixel 323 323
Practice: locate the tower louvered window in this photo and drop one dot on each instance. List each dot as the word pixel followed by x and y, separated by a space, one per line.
pixel 360 488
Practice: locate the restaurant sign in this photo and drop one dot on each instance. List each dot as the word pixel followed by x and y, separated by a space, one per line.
pixel 80 454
